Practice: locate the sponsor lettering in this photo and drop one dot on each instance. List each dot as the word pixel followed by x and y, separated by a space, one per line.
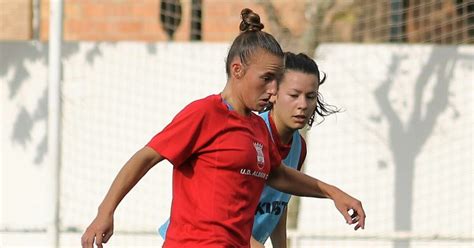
pixel 275 207
pixel 259 174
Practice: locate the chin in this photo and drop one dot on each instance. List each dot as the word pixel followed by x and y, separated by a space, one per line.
pixel 296 126
pixel 258 108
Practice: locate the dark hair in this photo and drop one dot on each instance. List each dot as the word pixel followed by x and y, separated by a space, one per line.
pixel 303 63
pixel 250 39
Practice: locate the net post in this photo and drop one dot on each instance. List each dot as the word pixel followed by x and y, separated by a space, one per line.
pixel 54 115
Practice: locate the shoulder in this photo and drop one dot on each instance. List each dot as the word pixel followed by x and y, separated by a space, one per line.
pixel 302 153
pixel 303 142
pixel 301 137
pixel 201 106
pixel 209 101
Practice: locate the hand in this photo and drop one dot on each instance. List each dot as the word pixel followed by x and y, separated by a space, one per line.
pixel 100 230
pixel 351 209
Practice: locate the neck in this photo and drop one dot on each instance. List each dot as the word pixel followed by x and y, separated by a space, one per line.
pixel 229 95
pixel 285 132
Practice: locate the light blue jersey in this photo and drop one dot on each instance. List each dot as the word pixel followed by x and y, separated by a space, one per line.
pixel 272 202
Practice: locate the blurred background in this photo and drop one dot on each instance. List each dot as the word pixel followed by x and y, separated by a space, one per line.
pixel 86 83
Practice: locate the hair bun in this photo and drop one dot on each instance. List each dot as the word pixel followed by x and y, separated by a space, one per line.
pixel 250 21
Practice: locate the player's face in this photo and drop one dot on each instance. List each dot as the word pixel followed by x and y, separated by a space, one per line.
pixel 296 99
pixel 260 79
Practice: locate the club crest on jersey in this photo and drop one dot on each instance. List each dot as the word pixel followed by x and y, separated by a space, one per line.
pixel 260 156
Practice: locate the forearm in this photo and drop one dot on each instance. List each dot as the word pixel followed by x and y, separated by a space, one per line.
pixel 135 168
pixel 255 244
pixel 278 236
pixel 294 182
pixel 297 183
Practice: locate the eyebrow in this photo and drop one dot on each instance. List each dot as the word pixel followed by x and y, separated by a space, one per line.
pixel 299 91
pixel 277 74
pixel 270 73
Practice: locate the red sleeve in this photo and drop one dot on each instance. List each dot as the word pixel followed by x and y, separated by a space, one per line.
pixel 303 153
pixel 182 137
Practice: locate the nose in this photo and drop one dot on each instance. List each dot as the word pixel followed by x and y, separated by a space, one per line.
pixel 272 88
pixel 302 102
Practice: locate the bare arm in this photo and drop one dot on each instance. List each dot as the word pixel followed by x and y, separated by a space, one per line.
pixel 294 182
pixel 101 229
pixel 255 244
pixel 278 235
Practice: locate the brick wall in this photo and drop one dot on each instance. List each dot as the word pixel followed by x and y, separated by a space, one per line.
pixel 113 20
pixel 221 18
pixel 15 19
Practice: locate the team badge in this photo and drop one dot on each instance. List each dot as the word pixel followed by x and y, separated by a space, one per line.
pixel 260 156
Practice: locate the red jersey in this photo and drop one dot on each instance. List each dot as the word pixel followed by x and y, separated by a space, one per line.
pixel 221 162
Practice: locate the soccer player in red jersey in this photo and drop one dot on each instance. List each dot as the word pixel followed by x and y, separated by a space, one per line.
pixel 222 156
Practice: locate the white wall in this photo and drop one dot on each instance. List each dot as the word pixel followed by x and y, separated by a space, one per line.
pixel 117 95
pixel 424 120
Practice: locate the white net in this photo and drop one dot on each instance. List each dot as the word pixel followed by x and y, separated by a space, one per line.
pixel 408 106
pixel 112 108
pixel 397 145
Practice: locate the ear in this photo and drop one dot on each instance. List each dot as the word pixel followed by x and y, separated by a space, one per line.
pixel 237 69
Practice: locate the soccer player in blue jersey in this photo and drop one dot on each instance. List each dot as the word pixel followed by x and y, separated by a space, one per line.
pixel 296 104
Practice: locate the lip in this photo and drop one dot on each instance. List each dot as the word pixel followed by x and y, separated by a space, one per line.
pixel 262 104
pixel 299 118
pixel 263 101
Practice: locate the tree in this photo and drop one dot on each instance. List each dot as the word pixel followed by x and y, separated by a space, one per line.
pixel 320 17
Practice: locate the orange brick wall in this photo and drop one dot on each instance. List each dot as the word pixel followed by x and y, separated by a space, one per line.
pixel 15 19
pixel 221 18
pixel 113 20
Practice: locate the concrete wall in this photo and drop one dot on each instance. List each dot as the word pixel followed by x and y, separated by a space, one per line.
pixel 406 125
